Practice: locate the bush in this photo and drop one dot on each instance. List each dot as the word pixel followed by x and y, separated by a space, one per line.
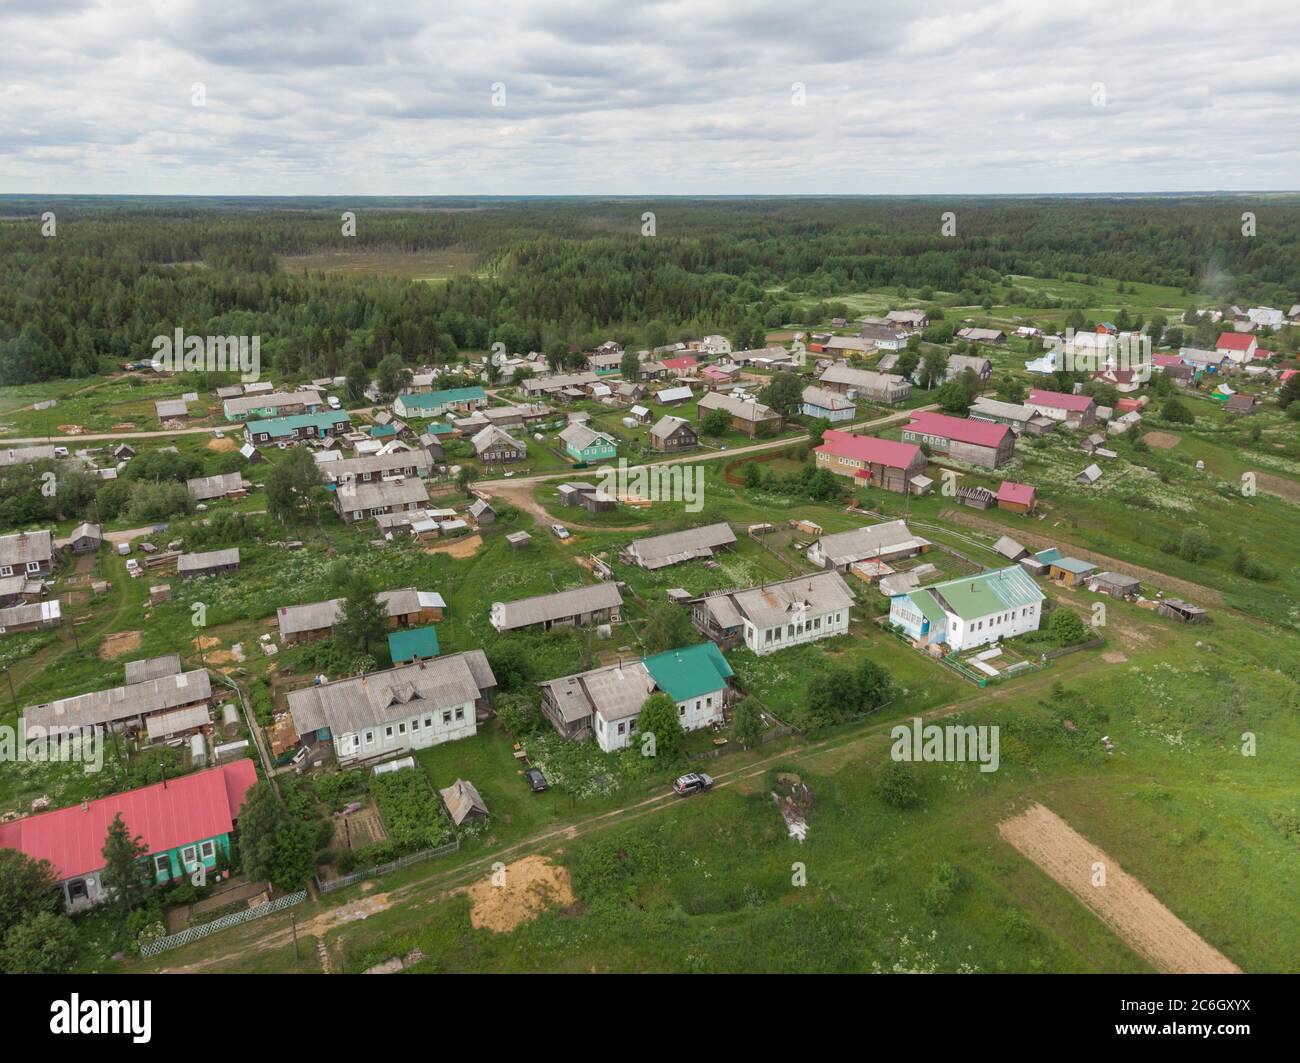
pixel 1066 628
pixel 897 785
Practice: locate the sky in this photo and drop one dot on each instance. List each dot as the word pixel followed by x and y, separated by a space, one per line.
pixel 579 97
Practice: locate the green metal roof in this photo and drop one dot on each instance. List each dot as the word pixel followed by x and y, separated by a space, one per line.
pixel 286 425
pixel 1073 564
pixel 930 609
pixel 406 644
pixel 972 597
pixel 690 671
pixel 429 399
pixel 1049 555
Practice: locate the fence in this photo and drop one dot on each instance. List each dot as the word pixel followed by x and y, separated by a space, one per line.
pixel 383 869
pixel 1091 644
pixel 193 933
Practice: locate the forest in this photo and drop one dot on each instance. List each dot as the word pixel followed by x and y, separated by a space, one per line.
pixel 569 273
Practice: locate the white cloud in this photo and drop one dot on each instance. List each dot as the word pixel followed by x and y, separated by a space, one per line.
pixel 673 97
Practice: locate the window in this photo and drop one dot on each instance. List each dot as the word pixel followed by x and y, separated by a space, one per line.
pixel 622 727
pixel 189 857
pixel 415 725
pixel 7 570
pixel 401 728
pixel 460 713
pixel 208 850
pixel 708 702
pixel 370 738
pixel 428 721
pixel 162 864
pixel 446 717
pixel 681 710
pixel 33 566
pixel 388 731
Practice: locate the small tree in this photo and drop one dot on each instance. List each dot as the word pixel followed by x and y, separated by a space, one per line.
pixel 27 887
pixel 747 723
pixel 1066 628
pixel 659 718
pixel 1175 412
pixel 896 783
pixel 125 878
pixel 667 627
pixel 275 845
pixel 392 376
pixel 715 423
pixel 364 623
pixel 630 366
pixel 784 394
pixel 358 379
pixel 43 943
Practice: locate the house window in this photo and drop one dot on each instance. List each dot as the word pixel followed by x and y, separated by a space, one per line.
pixel 460 713
pixel 162 864
pixel 708 702
pixel 33 566
pixel 428 721
pixel 388 731
pixel 7 570
pixel 446 717
pixel 370 738
pixel 401 728
pixel 622 727
pixel 189 857
pixel 681 710
pixel 415 725
pixel 208 850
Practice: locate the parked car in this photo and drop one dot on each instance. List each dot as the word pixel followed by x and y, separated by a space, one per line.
pixel 536 780
pixel 561 532
pixel 123 549
pixel 695 782
pixel 133 567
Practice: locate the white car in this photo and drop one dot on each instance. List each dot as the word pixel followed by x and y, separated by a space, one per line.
pixel 561 532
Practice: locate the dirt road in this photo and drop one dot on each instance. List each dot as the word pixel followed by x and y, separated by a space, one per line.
pixel 1112 894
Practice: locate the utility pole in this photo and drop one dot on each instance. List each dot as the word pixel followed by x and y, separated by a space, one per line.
pixel 12 694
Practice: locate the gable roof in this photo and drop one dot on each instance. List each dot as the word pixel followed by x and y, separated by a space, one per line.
pixel 689 672
pixel 1234 341
pixel 972 597
pixel 871 449
pixel 407 643
pixel 979 433
pixel 24 547
pixel 1022 494
pixel 775 603
pixel 209 559
pixel 121 703
pixel 580 437
pixel 745 409
pixel 205 487
pixel 862 543
pixel 659 551
pixel 463 800
pixel 524 612
pixel 825 399
pixel 165 816
pixel 667 425
pixel 1059 400
pixel 376 494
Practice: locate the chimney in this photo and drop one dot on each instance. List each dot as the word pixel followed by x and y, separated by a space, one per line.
pixel 85 806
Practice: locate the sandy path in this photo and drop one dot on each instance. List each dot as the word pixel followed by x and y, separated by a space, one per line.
pixel 1122 903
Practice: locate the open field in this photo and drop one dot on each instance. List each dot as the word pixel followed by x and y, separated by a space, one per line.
pixel 422 266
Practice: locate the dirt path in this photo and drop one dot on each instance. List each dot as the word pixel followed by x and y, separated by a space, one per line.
pixel 520 495
pixel 1121 902
pixel 1195 591
pixel 440 885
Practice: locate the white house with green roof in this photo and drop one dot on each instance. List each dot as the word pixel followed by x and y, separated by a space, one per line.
pixel 960 614
pixel 695 677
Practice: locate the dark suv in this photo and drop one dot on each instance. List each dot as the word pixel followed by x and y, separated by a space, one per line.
pixel 536 780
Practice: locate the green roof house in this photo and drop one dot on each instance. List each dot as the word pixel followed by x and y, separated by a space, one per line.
pixel 971 611
pixel 586 445
pixel 413 644
pixel 438 403
pixel 696 678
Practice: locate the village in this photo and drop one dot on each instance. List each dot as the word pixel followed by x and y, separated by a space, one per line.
pixel 359 580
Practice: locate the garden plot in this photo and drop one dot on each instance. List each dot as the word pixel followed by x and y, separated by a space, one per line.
pixel 1122 903
pixel 1000 661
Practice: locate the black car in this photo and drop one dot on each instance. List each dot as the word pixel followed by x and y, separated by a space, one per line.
pixel 536 780
pixel 694 783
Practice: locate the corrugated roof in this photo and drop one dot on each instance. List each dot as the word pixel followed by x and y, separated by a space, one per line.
pixel 689 672
pixel 777 603
pixel 142 671
pixel 538 610
pixel 18 550
pixel 860 543
pixel 870 449
pixel 210 559
pixel 165 816
pixel 973 597
pixel 409 643
pixel 120 703
pixel 659 551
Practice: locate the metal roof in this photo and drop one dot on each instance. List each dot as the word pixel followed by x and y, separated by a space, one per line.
pixel 776 603
pixel 120 703
pixel 538 610
pixel 210 559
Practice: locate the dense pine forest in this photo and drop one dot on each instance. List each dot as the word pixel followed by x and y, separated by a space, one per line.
pixel 572 272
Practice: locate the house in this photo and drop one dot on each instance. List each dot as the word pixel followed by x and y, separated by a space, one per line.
pixel 273 405
pixel 1090 475
pixel 585 445
pixel 1125 381
pixel 822 402
pixel 409 707
pixel 1207 361
pixel 1076 411
pixel 464 804
pixel 884 337
pixel 372 467
pixel 960 614
pixel 887 388
pixel 975 497
pixel 887 541
pixel 605 361
pixel 482 512
pixel 230 391
pixel 413 644
pixel 671 435
pixel 1071 571
pixel 1238 347
pixel 959 363
pixel 1017 416
pixel 558 385
pixel 660 551
pixel 432 404
pixel 182 823
pixel 776 615
pixel 871 461
pixel 171 409
pixel 1293 315
pixel 982 335
pixel 298 426
pixel 357 501
pixel 747 415
pixel 674 396
pixel 975 442
pixel 17 589
pixel 210 563
pixel 123 452
pixel 124 708
pixel 30 616
pixel 682 366
pixel 589 496
pixel 596 604
pixel 1018 498
pixel 606 702
pixel 1240 403
pixel 315 620
pixel 1116 584
pixel 629 391
pixel 496 445
pixel 224 485
pixel 720 376
pixel 86 538
pixel 912 320
pixel 848 346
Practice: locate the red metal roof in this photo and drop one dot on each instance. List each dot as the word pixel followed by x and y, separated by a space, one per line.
pixel 184 810
pixel 1014 492
pixel 980 433
pixel 1234 341
pixel 1166 360
pixel 686 361
pixel 869 448
pixel 1059 400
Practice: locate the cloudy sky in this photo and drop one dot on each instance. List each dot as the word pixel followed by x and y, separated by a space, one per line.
pixel 299 97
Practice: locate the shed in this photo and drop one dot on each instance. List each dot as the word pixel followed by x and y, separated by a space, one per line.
pixel 1185 612
pixel 1010 549
pixel 413 644
pixel 1090 475
pixel 463 802
pixel 1116 584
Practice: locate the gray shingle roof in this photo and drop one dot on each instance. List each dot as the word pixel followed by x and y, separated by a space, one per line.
pixel 16 550
pixel 538 610
pixel 205 487
pixel 210 559
pixel 659 551
pixel 776 602
pixel 134 699
pixel 378 494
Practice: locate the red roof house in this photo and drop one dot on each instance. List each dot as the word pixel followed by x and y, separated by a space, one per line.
pixel 1239 346
pixel 682 364
pixel 979 442
pixel 1018 497
pixel 882 462
pixel 168 817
